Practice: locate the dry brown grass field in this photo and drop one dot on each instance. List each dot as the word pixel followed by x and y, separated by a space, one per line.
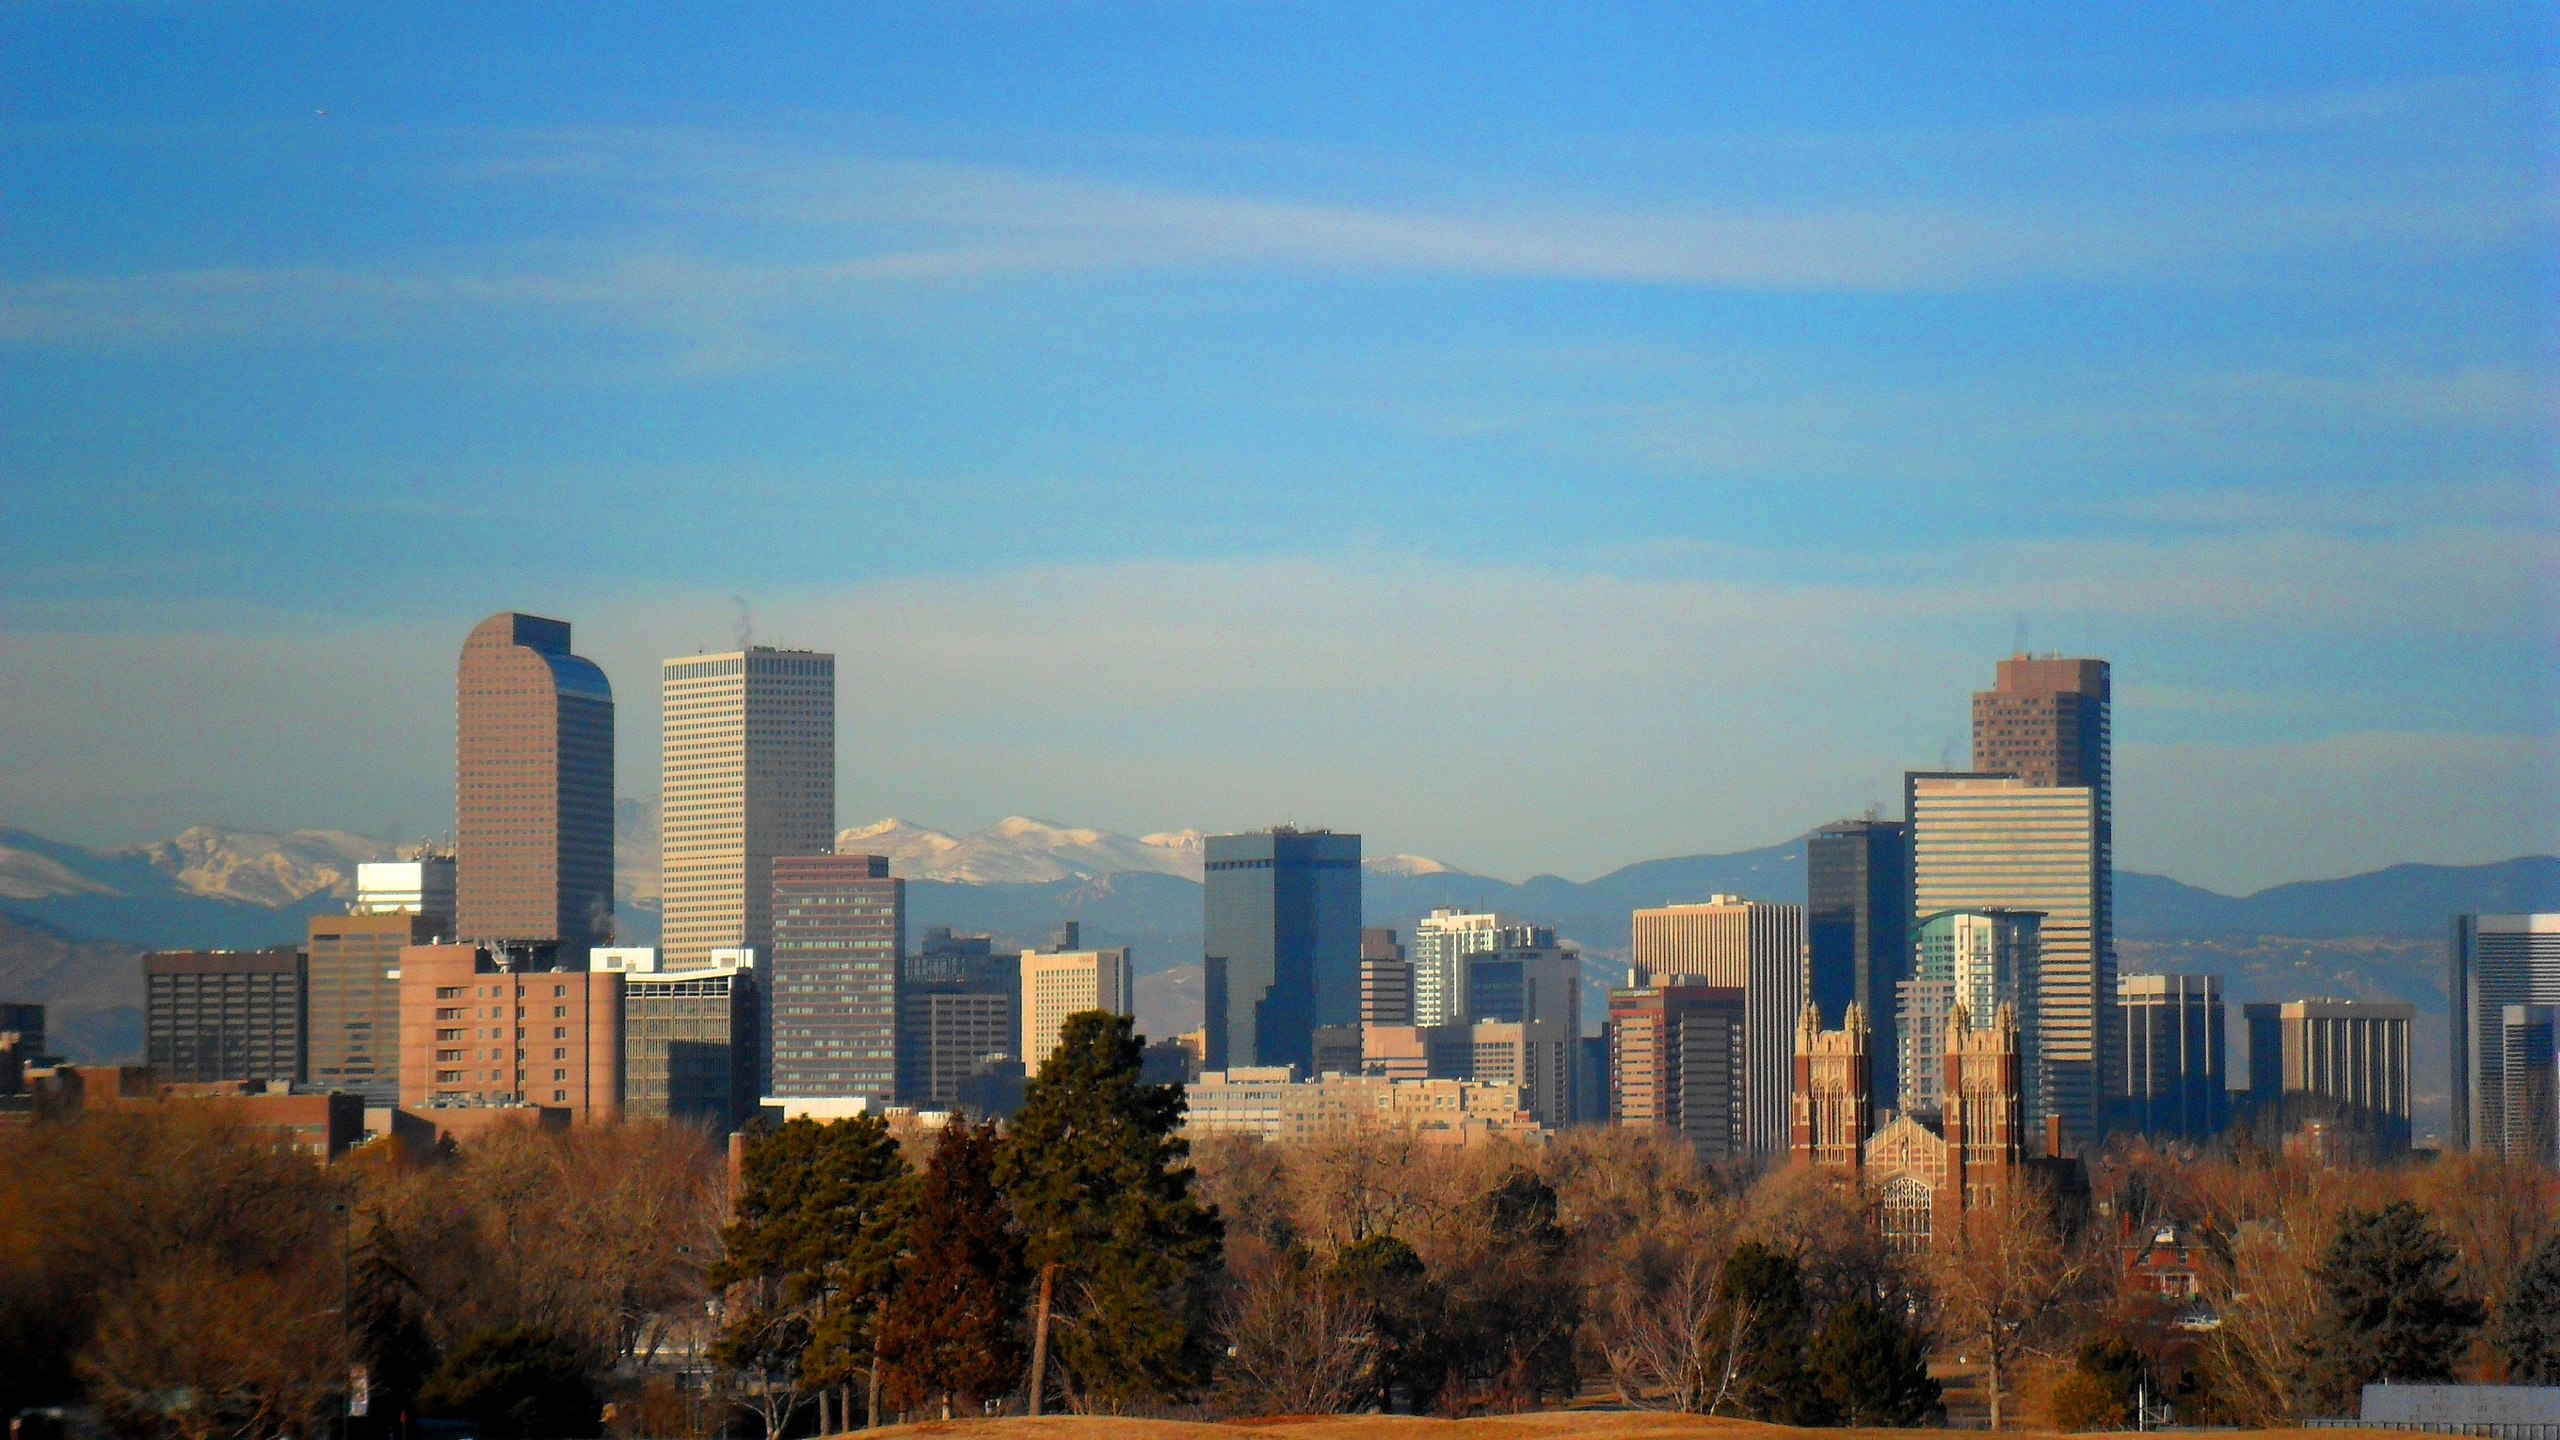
pixel 1546 1425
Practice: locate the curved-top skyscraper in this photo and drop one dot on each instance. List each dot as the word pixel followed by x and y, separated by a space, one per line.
pixel 533 789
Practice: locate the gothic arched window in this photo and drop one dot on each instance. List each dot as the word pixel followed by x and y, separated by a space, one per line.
pixel 1907 1206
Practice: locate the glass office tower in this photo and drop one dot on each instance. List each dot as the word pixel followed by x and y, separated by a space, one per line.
pixel 1281 944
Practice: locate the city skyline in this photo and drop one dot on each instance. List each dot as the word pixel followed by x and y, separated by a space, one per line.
pixel 1193 454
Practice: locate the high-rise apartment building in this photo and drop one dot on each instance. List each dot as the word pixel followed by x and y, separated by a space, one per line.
pixel 692 1037
pixel 1857 921
pixel 1996 842
pixel 1753 946
pixel 2340 1063
pixel 959 1009
pixel 2173 1056
pixel 839 928
pixel 1281 944
pixel 2495 961
pixel 1060 983
pixel 225 1015
pixel 1982 960
pixel 1386 978
pixel 1442 941
pixel 749 773
pixel 1676 1064
pixel 481 1026
pixel 533 788
pixel 354 996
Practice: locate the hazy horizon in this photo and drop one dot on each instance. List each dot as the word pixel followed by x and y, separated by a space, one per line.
pixel 1537 440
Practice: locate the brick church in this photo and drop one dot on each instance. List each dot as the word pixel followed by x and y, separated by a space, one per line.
pixel 1922 1173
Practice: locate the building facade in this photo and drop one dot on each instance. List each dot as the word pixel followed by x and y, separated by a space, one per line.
pixel 212 1015
pixel 1676 1064
pixel 1060 983
pixel 1995 842
pixel 481 1028
pixel 839 928
pixel 693 1041
pixel 1280 942
pixel 749 767
pixel 2342 1065
pixel 533 802
pixel 1923 1175
pixel 1386 978
pixel 959 1010
pixel 1982 960
pixel 2173 1044
pixel 2495 961
pixel 422 886
pixel 1270 1103
pixel 1857 924
pixel 354 996
pixel 2529 1042
pixel 1753 946
pixel 1442 941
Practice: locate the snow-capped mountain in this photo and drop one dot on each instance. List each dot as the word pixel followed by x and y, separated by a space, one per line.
pixel 248 866
pixel 1019 850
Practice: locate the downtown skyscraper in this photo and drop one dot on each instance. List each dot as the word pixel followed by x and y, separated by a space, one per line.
pixel 1857 932
pixel 533 789
pixel 748 774
pixel 2503 976
pixel 1281 944
pixel 2031 828
pixel 839 928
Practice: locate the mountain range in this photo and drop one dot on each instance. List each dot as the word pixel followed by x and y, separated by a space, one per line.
pixel 72 918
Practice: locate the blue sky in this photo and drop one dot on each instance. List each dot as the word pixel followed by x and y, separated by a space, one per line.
pixel 1540 437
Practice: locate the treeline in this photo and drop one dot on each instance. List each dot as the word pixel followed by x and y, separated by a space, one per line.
pixel 191 1279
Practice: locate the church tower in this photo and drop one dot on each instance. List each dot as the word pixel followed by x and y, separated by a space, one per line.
pixel 1834 1100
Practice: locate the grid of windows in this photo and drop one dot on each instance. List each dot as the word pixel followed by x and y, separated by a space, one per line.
pixel 839 928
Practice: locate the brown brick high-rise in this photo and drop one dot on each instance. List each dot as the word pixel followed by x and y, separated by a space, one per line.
pixel 2045 721
pixel 533 785
pixel 475 1033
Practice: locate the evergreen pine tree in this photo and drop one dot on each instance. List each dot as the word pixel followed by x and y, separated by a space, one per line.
pixel 813 1253
pixel 1383 1272
pixel 952 1333
pixel 386 1317
pixel 1871 1368
pixel 2527 1332
pixel 1102 1185
pixel 2391 1312
pixel 1766 1324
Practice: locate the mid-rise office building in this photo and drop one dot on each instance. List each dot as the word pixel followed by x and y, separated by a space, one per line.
pixel 839 928
pixel 354 997
pixel 959 1011
pixel 212 1015
pixel 1386 978
pixel 1996 842
pixel 692 1037
pixel 482 1026
pixel 1676 1063
pixel 1067 981
pixel 1981 960
pixel 749 767
pixel 1753 946
pixel 420 886
pixel 1857 923
pixel 2175 1082
pixel 2343 1064
pixel 2495 961
pixel 1536 1056
pixel 1271 1103
pixel 533 782
pixel 1281 943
